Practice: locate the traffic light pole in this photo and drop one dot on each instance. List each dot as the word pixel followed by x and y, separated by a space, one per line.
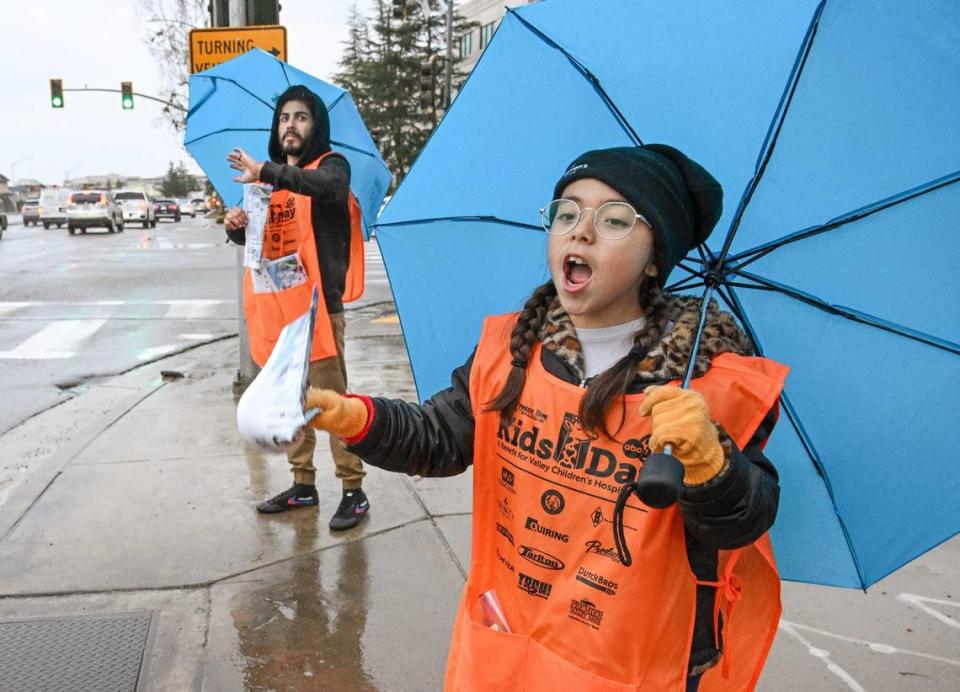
pixel 135 93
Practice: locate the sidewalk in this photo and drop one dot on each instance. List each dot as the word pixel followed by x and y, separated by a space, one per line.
pixel 138 498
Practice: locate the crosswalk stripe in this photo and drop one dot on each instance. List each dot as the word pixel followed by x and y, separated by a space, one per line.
pixel 57 340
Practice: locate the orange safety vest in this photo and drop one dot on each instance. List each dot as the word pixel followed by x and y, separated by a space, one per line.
pixel 543 496
pixel 289 229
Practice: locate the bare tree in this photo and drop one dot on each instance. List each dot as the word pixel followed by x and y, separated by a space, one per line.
pixel 168 37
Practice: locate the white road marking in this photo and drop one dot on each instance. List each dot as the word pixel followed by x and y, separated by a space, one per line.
pixel 154 351
pixel 12 306
pixel 921 601
pixel 195 337
pixel 188 309
pixel 822 654
pixel 57 340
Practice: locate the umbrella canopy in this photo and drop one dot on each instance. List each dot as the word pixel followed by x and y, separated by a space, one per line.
pixel 231 105
pixel 832 127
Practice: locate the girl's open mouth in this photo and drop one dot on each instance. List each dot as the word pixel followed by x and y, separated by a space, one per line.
pixel 576 273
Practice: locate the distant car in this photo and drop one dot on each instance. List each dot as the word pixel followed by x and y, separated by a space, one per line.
pixel 53 206
pixel 93 209
pixel 199 205
pixel 186 208
pixel 167 209
pixel 31 212
pixel 136 207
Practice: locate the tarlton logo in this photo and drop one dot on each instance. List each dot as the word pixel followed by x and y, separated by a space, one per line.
pixel 575 455
pixel 597 548
pixel 505 532
pixel 552 502
pixel 534 587
pixel 540 558
pixel 535 526
pixel 586 612
pixel 508 480
pixel 504 508
pixel 597 581
pixel 504 561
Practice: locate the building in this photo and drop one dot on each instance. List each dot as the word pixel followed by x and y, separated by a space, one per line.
pixel 486 15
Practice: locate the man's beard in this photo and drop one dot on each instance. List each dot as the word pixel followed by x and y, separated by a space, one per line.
pixel 292 147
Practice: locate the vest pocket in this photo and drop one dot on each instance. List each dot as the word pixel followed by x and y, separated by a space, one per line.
pixel 546 671
pixel 490 661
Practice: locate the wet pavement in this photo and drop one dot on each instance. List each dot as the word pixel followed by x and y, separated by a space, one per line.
pixel 138 496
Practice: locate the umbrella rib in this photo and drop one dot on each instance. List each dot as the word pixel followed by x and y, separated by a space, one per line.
pixel 735 305
pixel 227 129
pixel 482 218
pixel 214 78
pixel 588 75
pixel 773 132
pixel 854 315
pixel 353 148
pixel 750 256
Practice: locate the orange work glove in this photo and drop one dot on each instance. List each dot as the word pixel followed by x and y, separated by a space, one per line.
pixel 681 419
pixel 341 415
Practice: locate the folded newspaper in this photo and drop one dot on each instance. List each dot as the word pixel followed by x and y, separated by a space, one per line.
pixel 270 412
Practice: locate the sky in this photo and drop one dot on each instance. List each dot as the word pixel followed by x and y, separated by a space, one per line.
pixel 100 43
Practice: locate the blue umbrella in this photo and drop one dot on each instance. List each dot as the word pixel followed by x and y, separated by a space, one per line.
pixel 832 127
pixel 231 105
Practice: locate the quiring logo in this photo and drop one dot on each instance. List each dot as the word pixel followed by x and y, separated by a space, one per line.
pixel 540 558
pixel 535 526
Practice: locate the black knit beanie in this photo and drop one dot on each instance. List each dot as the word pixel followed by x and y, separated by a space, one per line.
pixel 678 197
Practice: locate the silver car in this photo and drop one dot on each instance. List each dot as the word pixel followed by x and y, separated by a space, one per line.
pixel 93 208
pixel 137 207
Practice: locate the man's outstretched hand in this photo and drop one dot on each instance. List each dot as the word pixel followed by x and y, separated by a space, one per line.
pixel 341 415
pixel 240 160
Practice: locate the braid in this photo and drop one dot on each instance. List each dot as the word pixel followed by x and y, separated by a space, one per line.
pixel 616 380
pixel 525 334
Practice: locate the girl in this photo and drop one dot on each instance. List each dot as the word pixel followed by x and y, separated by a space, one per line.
pixel 556 410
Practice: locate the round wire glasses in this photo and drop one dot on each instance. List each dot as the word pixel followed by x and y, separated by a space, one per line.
pixel 613 220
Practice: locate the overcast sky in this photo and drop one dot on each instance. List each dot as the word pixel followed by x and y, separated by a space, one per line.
pixel 99 43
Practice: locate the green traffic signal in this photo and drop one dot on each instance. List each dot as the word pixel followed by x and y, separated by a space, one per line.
pixel 126 95
pixel 56 93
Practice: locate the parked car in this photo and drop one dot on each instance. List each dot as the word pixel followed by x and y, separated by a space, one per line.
pixel 186 208
pixel 136 207
pixel 199 205
pixel 31 212
pixel 53 206
pixel 93 209
pixel 167 209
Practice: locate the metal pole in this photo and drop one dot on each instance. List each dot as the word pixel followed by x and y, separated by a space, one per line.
pixel 247 369
pixel 448 67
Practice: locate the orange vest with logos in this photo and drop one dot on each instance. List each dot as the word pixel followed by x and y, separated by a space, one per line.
pixel 543 496
pixel 289 229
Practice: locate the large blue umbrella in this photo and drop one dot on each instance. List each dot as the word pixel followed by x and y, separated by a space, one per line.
pixel 231 105
pixel 833 129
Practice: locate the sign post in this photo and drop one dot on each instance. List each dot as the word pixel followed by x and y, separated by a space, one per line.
pixel 210 47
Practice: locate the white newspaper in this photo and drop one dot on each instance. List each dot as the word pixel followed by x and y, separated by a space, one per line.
pixel 270 412
pixel 256 204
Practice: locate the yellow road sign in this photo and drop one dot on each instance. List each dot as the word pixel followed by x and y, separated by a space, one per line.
pixel 210 47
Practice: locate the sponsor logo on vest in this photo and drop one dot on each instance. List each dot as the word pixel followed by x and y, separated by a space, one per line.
pixel 597 581
pixel 283 215
pixel 575 455
pixel 597 518
pixel 552 502
pixel 535 526
pixel 504 508
pixel 540 558
pixel 505 532
pixel 507 479
pixel 530 412
pixel 597 548
pixel 534 587
pixel 504 561
pixel 586 612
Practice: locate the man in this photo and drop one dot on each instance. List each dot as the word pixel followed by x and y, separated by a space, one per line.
pixel 312 214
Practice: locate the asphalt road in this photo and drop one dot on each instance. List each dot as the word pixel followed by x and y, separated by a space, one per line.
pixel 77 308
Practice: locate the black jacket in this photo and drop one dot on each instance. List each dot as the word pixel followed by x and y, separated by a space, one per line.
pixel 730 511
pixel 329 188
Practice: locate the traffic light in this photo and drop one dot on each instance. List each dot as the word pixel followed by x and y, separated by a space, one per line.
pixel 56 93
pixel 126 95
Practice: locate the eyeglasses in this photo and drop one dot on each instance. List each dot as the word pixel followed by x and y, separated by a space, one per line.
pixel 613 220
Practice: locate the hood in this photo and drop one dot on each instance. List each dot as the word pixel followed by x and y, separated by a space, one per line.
pixel 319 141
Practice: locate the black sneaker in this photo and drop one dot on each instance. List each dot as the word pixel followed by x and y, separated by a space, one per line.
pixel 353 507
pixel 295 496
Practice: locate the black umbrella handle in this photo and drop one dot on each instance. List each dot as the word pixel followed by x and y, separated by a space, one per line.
pixel 661 479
